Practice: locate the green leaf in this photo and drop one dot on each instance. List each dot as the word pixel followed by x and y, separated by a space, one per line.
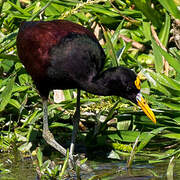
pixel 30 119
pixel 19 9
pixel 50 10
pixel 109 116
pixel 171 60
pixel 58 7
pixel 66 3
pixel 9 57
pixel 6 65
pixel 126 136
pixel 165 30
pixel 58 124
pixel 172 136
pixel 115 36
pixel 158 57
pixel 39 157
pixel 6 94
pixel 36 8
pixel 148 11
pixel 177 119
pixel 40 10
pixel 120 52
pixel 20 88
pixel 165 80
pixel 25 147
pixel 8 46
pixel 18 66
pixel 174 106
pixel 169 82
pixel 110 49
pixel 67 95
pixel 146 30
pixel 31 7
pixel 171 7
pixel 23 79
pixel 15 103
pixel 9 37
pixel 4 6
pixel 64 165
pixel 145 140
pixel 100 9
pixel 152 78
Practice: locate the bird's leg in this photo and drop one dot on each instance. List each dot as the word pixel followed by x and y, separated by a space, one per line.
pixel 47 135
pixel 76 119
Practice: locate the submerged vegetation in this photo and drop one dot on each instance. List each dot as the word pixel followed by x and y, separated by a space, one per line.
pixel 141 35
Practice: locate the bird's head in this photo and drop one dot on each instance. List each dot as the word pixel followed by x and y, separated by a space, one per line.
pixel 125 83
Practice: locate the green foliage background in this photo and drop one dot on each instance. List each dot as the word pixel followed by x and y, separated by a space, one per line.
pixel 125 30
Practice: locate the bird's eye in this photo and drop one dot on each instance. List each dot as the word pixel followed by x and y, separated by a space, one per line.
pixel 128 88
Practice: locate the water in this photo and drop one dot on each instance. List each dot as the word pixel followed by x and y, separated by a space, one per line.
pixel 139 171
pixel 18 168
pixel 23 169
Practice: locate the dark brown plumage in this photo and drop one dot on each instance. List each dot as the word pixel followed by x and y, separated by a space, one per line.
pixel 63 55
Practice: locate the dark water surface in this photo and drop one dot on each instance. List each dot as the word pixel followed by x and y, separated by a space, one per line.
pixel 23 169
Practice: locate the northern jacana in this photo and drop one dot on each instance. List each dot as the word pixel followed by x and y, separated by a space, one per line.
pixel 60 54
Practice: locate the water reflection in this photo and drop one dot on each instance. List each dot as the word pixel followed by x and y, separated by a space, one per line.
pixel 23 169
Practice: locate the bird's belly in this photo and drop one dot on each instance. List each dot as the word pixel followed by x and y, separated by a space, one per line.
pixel 63 84
pixel 48 84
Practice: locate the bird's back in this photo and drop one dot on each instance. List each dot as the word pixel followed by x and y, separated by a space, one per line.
pixel 59 51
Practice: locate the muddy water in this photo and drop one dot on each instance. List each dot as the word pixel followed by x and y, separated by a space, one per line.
pixel 19 168
pixel 15 167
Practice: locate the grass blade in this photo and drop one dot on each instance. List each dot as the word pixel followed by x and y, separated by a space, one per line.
pixel 64 165
pixel 164 34
pixel 171 7
pixel 129 164
pixel 170 169
pixel 19 9
pixel 145 140
pixel 110 48
pixel 171 60
pixel 148 11
pixel 158 58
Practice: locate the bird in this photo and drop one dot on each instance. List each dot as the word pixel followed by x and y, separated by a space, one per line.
pixel 60 54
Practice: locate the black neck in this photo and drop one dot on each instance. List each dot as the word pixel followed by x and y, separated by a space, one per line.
pixel 117 81
pixel 102 84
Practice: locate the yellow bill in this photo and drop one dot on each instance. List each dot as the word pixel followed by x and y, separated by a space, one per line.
pixel 144 106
